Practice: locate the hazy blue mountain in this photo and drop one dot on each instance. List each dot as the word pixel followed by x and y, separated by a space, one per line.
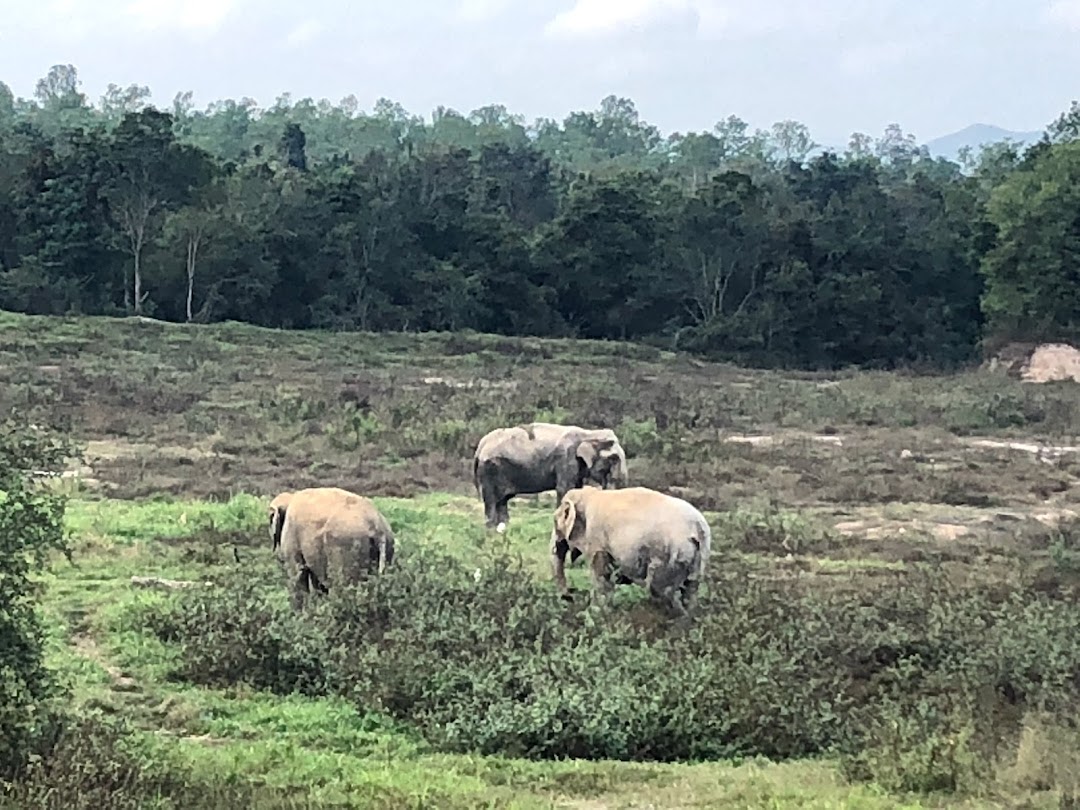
pixel 948 146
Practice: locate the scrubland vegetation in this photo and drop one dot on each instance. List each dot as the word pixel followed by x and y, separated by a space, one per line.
pixel 880 628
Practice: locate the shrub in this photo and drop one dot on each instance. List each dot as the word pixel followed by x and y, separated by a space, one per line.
pixel 31 525
pixel 95 763
pixel 917 684
pixel 242 637
pixel 771 529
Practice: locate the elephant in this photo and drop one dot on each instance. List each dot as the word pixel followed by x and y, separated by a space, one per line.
pixel 540 456
pixel 642 536
pixel 326 535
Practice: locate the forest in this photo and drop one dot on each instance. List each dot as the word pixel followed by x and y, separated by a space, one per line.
pixel 735 243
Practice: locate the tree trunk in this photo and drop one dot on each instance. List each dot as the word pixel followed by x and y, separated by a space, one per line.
pixel 190 284
pixel 138 277
pixel 192 255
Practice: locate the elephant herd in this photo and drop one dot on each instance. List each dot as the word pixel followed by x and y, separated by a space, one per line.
pixel 325 535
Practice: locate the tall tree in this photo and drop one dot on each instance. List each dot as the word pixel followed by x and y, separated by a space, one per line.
pixel 601 253
pixel 118 101
pixel 719 251
pixel 791 141
pixel 292 147
pixel 193 227
pixel 1066 127
pixel 149 172
pixel 1032 273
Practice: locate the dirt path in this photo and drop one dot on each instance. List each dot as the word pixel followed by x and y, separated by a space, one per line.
pixel 151 713
pixel 86 646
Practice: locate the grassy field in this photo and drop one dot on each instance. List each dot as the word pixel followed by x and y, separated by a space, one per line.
pixel 837 486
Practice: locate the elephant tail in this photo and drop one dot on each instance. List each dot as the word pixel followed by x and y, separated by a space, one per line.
pixel 384 553
pixel 697 564
pixel 476 472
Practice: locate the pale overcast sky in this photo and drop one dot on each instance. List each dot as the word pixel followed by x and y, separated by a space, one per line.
pixel 933 66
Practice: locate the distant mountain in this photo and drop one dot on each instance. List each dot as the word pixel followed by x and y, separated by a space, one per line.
pixel 949 146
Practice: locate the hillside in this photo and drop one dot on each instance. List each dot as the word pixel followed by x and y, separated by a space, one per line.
pixel 975 136
pixel 875 537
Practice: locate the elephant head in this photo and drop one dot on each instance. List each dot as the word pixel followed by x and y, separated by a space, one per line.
pixel 602 460
pixel 276 515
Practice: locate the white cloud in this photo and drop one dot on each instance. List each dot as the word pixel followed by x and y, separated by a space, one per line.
pixel 481 10
pixel 1064 12
pixel 714 19
pixel 304 33
pixel 871 57
pixel 601 17
pixel 204 16
pixel 617 67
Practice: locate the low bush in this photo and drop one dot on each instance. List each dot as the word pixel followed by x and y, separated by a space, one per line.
pixel 96 763
pixel 490 660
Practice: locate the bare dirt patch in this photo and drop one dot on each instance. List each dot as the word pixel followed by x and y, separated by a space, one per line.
pixel 1052 361
pixel 762 440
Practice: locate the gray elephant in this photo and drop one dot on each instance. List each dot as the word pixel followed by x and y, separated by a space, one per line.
pixel 540 456
pixel 326 535
pixel 638 534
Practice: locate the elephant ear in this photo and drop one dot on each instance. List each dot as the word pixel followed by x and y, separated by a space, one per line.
pixel 276 515
pixel 565 518
pixel 277 519
pixel 588 451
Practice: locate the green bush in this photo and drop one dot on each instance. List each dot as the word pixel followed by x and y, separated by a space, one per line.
pixel 915 683
pixel 31 525
pixel 252 639
pixel 769 528
pixel 95 763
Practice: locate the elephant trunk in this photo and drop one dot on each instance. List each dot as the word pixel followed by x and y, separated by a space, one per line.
pixel 617 479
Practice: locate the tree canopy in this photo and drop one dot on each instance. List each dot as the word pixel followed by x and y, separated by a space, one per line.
pixel 756 245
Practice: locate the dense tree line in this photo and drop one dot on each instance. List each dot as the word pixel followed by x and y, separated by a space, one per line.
pixel 755 245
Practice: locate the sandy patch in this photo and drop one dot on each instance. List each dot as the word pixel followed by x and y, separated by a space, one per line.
pixel 876 530
pixel 478 383
pixel 1042 452
pixel 769 439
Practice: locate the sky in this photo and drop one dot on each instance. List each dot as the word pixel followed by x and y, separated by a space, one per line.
pixel 839 66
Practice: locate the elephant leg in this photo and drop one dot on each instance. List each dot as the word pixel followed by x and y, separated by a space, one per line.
pixel 660 581
pixel 492 499
pixel 575 555
pixel 502 513
pixel 314 584
pixel 600 568
pixel 676 602
pixel 298 588
pixel 558 565
pixel 688 592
